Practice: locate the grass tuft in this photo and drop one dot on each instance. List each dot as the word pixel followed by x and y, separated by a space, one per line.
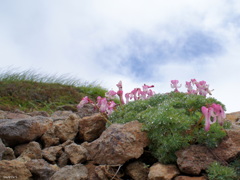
pixel 28 91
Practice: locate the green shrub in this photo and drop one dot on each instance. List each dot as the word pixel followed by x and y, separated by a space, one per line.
pixel 173 121
pixel 218 172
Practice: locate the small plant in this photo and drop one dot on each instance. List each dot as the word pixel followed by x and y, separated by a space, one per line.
pixel 218 172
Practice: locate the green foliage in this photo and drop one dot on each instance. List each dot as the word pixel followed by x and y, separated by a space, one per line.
pixel 218 172
pixel 236 165
pixel 30 91
pixel 172 121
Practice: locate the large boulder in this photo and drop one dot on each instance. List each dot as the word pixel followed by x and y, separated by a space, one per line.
pixel 19 131
pixel 14 170
pixel 118 144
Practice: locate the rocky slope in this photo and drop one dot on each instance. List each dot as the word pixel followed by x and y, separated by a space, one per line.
pixel 77 145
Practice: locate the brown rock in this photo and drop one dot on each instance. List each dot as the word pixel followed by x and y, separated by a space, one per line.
pixel 194 159
pixel 49 138
pixel 235 136
pixel 61 114
pixel 67 129
pixel 137 170
pixel 189 178
pixel 52 153
pixel 233 117
pixel 14 170
pixel 76 153
pixel 91 127
pixel 106 172
pixel 87 110
pixel 163 172
pixel 10 115
pixel 2 148
pixel 8 154
pixel 18 131
pixel 118 144
pixel 40 169
pixel 226 150
pixel 76 172
pixel 18 150
pixel 91 171
pixel 39 113
pixel 32 150
pixel 63 160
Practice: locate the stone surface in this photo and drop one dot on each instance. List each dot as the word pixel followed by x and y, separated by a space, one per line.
pixel 235 136
pixel 194 159
pixel 40 169
pixel 76 172
pixel 87 110
pixel 91 127
pixel 2 148
pixel 76 153
pixel 51 153
pixel 189 178
pixel 118 144
pixel 19 131
pixel 106 172
pixel 137 170
pixel 67 129
pixel 14 170
pixel 32 150
pixel 8 154
pixel 163 172
pixel 233 117
pixel 49 138
pixel 63 160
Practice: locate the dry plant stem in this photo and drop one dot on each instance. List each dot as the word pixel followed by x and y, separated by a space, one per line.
pixel 104 116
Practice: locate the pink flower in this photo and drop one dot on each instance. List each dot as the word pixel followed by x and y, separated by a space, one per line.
pixel 84 100
pixel 110 108
pixel 212 114
pixel 110 94
pixel 174 85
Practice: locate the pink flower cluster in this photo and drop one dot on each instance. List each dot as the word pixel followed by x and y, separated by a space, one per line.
pixel 106 105
pixel 212 114
pixel 102 104
pixel 135 94
pixel 202 88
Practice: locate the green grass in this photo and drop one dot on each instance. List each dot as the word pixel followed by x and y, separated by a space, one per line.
pixel 29 91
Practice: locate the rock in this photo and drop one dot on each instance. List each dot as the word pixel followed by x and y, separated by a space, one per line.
pixel 227 150
pixel 52 153
pixel 194 159
pixel 19 131
pixel 39 113
pixel 8 154
pixel 137 170
pixel 61 114
pixel 106 172
pixel 76 153
pixel 20 115
pixel 118 144
pixel 87 110
pixel 91 127
pixel 235 136
pixel 40 169
pixel 63 160
pixel 67 129
pixel 32 150
pixel 233 117
pixel 91 171
pixel 14 170
pixel 163 172
pixel 189 178
pixel 49 138
pixel 76 172
pixel 2 148
pixel 18 150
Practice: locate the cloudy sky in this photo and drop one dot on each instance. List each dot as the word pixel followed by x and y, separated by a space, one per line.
pixel 137 41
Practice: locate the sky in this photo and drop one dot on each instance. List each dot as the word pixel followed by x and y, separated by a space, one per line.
pixel 139 42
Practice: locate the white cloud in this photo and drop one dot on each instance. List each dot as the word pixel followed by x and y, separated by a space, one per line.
pixel 108 41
